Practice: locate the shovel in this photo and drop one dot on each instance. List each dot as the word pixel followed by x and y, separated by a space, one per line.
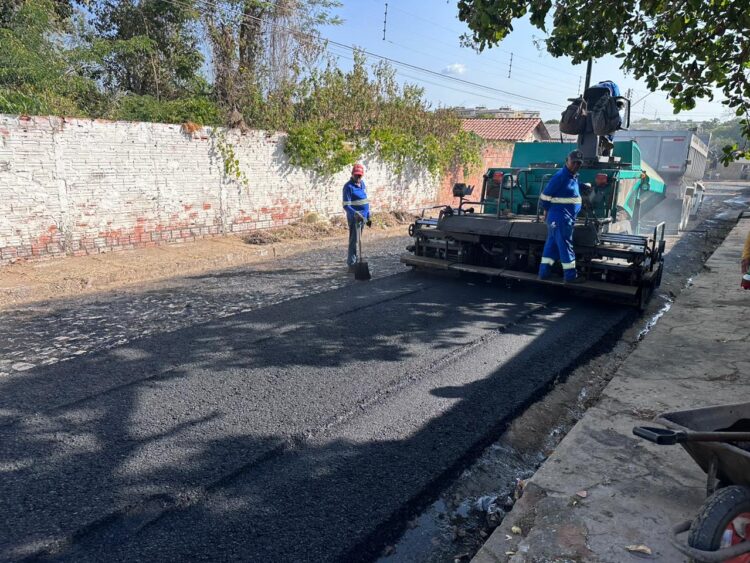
pixel 361 269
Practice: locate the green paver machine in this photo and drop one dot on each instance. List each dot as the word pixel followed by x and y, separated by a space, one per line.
pixel 501 233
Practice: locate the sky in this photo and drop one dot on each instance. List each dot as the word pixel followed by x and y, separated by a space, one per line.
pixel 426 34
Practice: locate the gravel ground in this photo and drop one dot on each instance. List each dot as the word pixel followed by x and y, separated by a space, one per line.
pixel 48 332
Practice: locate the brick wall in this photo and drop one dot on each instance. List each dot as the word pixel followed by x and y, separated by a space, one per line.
pixel 494 153
pixel 76 186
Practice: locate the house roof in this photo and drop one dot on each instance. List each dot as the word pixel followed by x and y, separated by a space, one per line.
pixel 554 133
pixel 506 129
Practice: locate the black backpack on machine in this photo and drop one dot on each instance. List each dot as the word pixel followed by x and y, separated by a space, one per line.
pixel 605 116
pixel 573 119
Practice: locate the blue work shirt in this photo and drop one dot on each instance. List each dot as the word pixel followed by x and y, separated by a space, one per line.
pixel 561 197
pixel 355 200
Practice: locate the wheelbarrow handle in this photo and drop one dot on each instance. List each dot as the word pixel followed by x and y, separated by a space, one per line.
pixel 667 437
pixel 661 436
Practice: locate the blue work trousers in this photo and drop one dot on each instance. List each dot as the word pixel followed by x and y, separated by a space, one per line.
pixel 559 246
pixel 355 231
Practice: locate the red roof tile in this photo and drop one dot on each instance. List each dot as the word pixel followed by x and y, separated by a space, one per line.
pixel 505 129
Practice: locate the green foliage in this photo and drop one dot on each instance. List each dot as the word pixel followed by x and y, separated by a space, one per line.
pixel 684 48
pixel 320 146
pixel 229 158
pixel 37 72
pixel 200 110
pixel 148 47
pixel 262 47
pixel 141 61
pixel 340 117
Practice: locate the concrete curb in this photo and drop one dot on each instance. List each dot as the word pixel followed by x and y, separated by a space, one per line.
pixel 604 489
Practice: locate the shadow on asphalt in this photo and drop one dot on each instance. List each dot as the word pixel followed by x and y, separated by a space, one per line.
pixel 169 447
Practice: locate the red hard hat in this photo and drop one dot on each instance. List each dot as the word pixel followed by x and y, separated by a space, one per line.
pixel 358 170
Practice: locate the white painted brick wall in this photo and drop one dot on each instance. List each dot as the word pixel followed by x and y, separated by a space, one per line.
pixel 77 186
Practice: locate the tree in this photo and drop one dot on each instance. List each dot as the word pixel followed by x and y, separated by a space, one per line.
pixel 723 134
pixel 39 71
pixel 60 9
pixel 147 47
pixel 343 115
pixel 683 47
pixel 260 48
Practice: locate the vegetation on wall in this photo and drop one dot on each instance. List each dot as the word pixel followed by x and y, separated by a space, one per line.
pixel 341 115
pixel 149 60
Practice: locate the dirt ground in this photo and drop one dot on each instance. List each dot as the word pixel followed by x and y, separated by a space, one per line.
pixel 47 280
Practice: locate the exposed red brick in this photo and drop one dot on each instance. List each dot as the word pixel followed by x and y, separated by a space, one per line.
pixel 494 154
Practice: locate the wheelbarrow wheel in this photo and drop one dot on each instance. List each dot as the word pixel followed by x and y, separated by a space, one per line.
pixel 724 520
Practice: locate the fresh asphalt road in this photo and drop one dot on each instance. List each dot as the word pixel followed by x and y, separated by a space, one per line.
pixel 295 432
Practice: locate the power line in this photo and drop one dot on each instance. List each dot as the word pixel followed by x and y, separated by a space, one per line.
pixel 447 78
pixel 207 3
pixel 516 70
pixel 435 24
pixel 426 81
pixel 535 85
pixel 484 54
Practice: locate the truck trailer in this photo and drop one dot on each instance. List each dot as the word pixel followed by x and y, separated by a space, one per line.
pixel 680 158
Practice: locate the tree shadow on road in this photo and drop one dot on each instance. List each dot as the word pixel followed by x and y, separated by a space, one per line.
pixel 228 435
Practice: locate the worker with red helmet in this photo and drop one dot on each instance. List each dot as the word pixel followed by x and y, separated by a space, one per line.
pixel 357 209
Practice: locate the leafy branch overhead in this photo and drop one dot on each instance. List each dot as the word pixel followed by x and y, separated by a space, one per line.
pixel 686 48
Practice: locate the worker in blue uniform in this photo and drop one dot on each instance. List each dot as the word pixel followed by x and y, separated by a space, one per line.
pixel 614 91
pixel 561 201
pixel 357 208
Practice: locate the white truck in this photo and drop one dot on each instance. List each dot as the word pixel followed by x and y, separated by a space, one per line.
pixel 679 157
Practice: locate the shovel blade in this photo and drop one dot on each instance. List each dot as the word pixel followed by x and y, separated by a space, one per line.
pixel 362 271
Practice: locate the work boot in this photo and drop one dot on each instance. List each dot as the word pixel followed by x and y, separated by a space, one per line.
pixel 351 268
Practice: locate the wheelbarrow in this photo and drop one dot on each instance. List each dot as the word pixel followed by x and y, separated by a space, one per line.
pixel 718 440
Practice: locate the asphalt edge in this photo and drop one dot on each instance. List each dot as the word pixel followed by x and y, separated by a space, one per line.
pixel 512 540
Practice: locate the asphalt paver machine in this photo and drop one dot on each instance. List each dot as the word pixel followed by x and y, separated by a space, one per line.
pixel 501 233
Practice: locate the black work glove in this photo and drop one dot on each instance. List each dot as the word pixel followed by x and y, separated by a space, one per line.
pixel 369 223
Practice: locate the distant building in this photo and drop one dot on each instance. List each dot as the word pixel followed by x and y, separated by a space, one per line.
pixel 482 112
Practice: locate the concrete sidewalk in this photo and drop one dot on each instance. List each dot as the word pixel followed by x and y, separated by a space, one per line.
pixel 604 489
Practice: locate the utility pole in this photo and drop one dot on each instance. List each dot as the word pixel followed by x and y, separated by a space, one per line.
pixel 579 85
pixel 385 19
pixel 629 97
pixel 588 74
pixel 510 67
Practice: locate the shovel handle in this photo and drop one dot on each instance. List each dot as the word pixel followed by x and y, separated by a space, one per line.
pixel 360 227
